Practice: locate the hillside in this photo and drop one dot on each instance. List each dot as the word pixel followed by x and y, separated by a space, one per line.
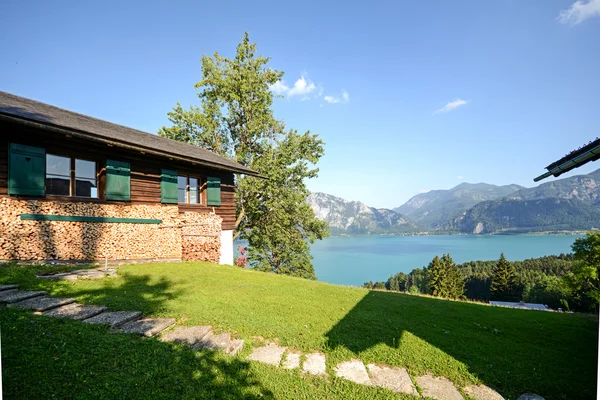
pixel 434 208
pixel 356 218
pixel 565 204
pixel 460 341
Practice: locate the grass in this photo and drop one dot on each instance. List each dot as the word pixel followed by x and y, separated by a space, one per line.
pixel 513 351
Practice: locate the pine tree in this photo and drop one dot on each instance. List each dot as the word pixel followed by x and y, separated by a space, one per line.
pixel 445 279
pixel 455 281
pixel 436 277
pixel 504 280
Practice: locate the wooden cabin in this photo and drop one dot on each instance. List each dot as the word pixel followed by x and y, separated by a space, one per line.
pixel 76 188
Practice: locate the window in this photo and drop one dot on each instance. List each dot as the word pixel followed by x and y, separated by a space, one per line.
pixel 58 175
pixel 85 179
pixel 70 177
pixel 188 190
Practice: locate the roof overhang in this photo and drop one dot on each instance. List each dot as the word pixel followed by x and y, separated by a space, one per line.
pixel 575 159
pixel 69 132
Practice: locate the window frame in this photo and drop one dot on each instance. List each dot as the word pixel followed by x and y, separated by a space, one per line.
pixel 72 177
pixel 199 190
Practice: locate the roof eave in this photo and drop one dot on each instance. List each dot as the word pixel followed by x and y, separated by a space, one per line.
pixel 570 163
pixel 91 136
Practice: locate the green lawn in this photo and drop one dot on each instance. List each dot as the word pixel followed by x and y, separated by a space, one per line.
pixel 513 351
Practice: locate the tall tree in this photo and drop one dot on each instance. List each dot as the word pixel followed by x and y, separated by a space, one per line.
pixel 444 277
pixel 235 120
pixel 504 281
pixel 584 280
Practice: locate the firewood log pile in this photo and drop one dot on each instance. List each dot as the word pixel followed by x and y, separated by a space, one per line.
pixel 61 240
pixel 201 236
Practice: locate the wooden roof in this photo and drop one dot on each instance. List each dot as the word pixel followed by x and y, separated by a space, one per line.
pixel 44 116
pixel 575 159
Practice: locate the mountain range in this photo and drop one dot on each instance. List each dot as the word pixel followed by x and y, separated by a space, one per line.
pixel 563 205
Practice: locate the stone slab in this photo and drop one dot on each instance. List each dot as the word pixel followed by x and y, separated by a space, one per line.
pixel 7 287
pixel 189 335
pixel 292 361
pixel 530 396
pixel 481 392
pixel 314 364
pixel 392 378
pixel 75 311
pixel 236 346
pixel 148 326
pixel 268 354
pixel 98 273
pixel 354 371
pixel 114 318
pixel 438 388
pixel 42 303
pixel 12 296
pixel 215 342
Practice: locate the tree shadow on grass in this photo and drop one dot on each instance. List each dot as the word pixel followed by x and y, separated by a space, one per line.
pixel 125 292
pixel 45 357
pixel 513 351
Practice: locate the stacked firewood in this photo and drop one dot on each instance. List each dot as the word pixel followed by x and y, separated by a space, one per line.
pixel 200 236
pixel 59 240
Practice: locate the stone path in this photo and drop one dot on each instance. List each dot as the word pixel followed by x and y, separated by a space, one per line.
pixel 393 378
pixel 197 337
pixel 201 337
pixel 98 273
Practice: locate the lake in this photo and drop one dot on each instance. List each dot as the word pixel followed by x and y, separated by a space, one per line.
pixel 353 260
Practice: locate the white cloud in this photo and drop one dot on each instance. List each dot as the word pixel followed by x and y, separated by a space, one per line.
pixel 279 88
pixel 333 100
pixel 302 87
pixel 579 12
pixel 460 178
pixel 452 105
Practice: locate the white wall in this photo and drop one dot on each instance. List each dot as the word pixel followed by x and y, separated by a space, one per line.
pixel 226 248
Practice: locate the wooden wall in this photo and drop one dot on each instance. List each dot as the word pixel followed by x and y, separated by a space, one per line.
pixel 145 169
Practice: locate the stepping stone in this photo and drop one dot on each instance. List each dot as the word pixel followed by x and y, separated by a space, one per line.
pixel 215 342
pixel 530 396
pixel 114 318
pixel 75 311
pixel 42 303
pixel 89 274
pixel 7 287
pixel 268 354
pixel 481 392
pixel 236 346
pixel 190 335
pixel 12 296
pixel 292 361
pixel 68 276
pixel 353 370
pixel 392 378
pixel 438 388
pixel 148 326
pixel 314 364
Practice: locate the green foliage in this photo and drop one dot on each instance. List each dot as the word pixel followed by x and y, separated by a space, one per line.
pixel 445 279
pixel 504 281
pixel 585 277
pixel 235 120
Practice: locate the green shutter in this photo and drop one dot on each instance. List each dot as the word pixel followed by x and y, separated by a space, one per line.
pixel 26 170
pixel 118 180
pixel 213 191
pixel 168 186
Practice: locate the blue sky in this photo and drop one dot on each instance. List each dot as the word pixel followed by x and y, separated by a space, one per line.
pixel 408 96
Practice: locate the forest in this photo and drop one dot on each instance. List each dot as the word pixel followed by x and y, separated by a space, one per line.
pixel 567 282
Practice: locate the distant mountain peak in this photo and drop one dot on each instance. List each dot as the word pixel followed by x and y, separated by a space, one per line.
pixel 355 217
